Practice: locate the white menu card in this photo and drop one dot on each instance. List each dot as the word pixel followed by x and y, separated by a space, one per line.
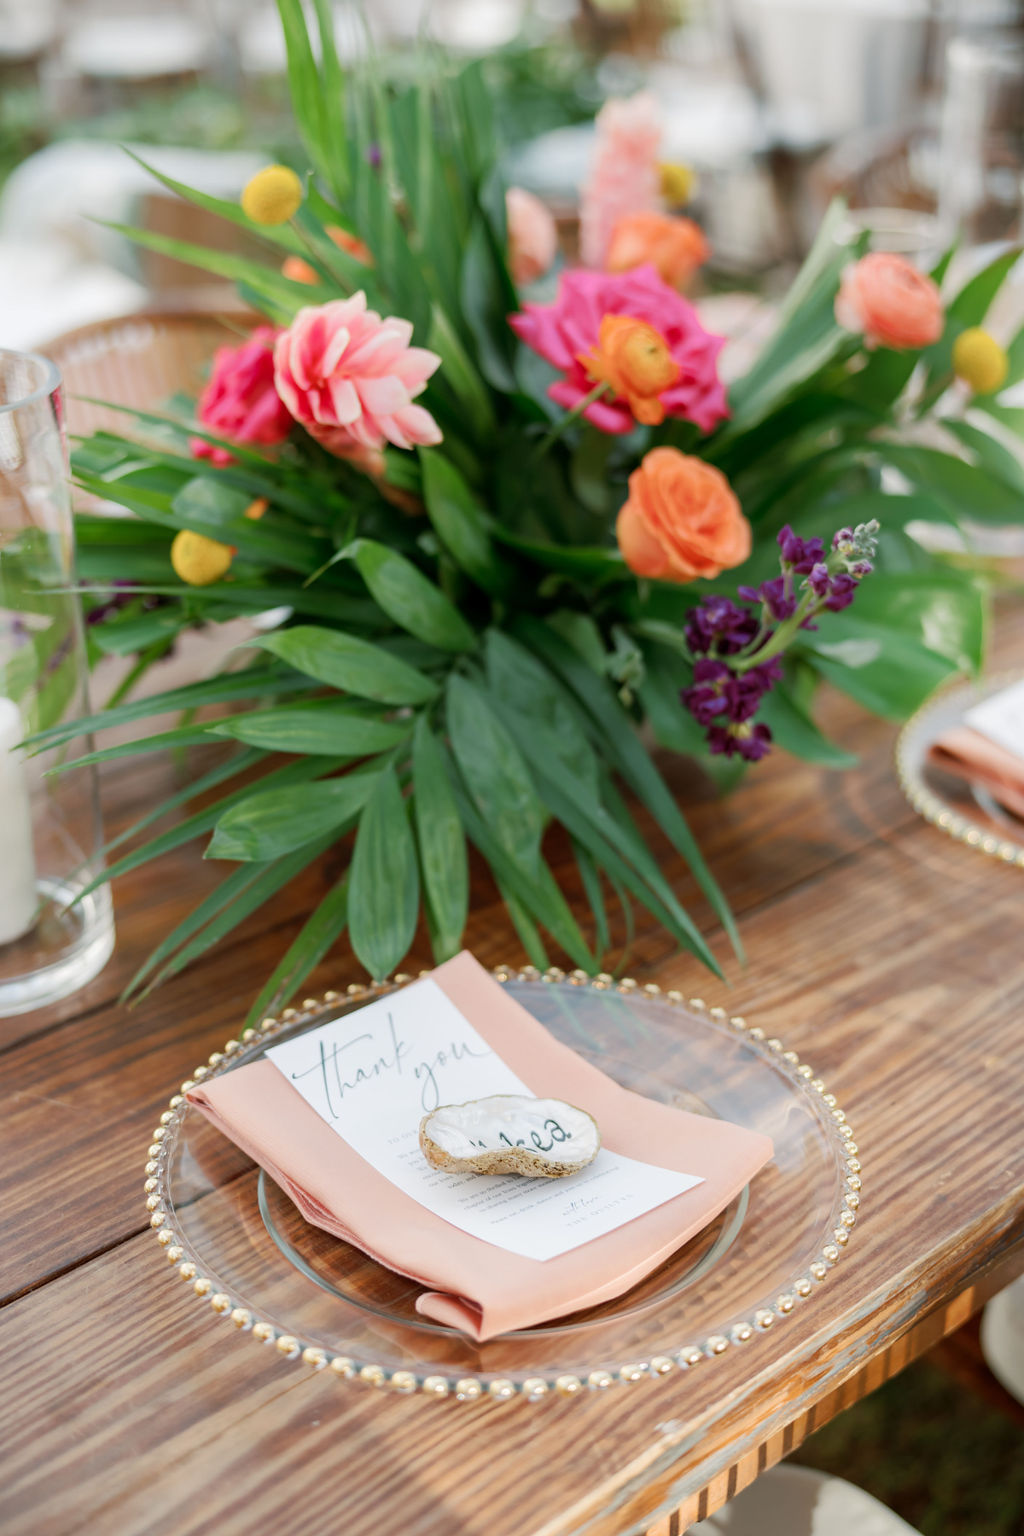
pixel 1001 718
pixel 374 1073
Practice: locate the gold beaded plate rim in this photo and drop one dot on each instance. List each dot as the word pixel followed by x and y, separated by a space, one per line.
pixel 187 1265
pixel 937 713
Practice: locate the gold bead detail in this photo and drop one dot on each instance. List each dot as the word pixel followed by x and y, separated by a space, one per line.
pixel 220 1302
pixel 632 1372
pixel 157 1219
pixel 149 1185
pixel 501 1390
pixel 165 1236
pixel 599 1380
pixel 262 1331
pixel 373 1375
pixel 661 1365
pixel 342 1366
pixel 786 1303
pixel 315 1359
pixel 716 1345
pixel 187 1271
pixel 741 1333
pixel 764 1317
pixel 174 1255
pixel 202 1286
pixel 153 1201
pixel 468 1389
pixel 689 1357
pixel 568 1386
pixel 241 1317
pixel 403 1381
pixel 803 1286
pixel 436 1386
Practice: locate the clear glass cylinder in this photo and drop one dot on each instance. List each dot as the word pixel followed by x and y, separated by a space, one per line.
pixel 55 933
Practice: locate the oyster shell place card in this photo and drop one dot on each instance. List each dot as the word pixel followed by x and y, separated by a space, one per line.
pixel 333 1115
pixel 372 1076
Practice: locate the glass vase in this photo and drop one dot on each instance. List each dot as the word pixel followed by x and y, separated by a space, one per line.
pixel 55 932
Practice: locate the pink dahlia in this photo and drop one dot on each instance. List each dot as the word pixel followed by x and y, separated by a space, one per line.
pixel 567 333
pixel 240 401
pixel 624 175
pixel 340 366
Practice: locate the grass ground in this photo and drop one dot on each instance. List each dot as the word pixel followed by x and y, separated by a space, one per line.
pixel 937 1449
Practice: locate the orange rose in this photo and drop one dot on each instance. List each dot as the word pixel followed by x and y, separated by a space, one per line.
pixel 301 272
pixel 633 359
pixel 890 302
pixel 681 520
pixel 675 247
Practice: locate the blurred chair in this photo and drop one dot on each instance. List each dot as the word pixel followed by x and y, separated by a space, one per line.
pixel 795 1501
pixel 139 360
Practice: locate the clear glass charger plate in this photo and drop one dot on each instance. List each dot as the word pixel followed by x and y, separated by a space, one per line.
pixel 966 812
pixel 247 1255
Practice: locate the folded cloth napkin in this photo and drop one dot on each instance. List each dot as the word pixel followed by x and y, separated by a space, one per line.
pixel 473 1285
pixel 969 755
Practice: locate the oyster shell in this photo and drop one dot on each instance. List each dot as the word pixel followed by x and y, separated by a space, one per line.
pixel 510 1133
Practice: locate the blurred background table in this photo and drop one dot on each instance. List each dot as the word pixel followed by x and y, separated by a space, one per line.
pixel 886 954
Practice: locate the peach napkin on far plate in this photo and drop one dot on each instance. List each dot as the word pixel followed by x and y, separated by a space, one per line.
pixel 967 754
pixel 470 1283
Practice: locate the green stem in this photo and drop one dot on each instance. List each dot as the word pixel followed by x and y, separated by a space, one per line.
pixel 570 416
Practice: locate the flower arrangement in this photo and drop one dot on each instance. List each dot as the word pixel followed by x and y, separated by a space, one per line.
pixel 499 531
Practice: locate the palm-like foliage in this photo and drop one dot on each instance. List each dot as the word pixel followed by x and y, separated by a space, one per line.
pixel 477 671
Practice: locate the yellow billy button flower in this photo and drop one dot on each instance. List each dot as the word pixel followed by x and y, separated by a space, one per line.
pixel 678 182
pixel 980 361
pixel 272 196
pixel 634 361
pixel 199 561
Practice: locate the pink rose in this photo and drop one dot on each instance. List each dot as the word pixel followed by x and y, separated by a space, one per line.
pixel 568 331
pixel 339 365
pixel 890 302
pixel 532 236
pixel 240 401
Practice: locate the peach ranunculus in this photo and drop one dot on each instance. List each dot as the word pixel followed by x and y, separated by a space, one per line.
pixel 888 300
pixel 633 359
pixel 300 271
pixel 675 247
pixel 532 236
pixel 681 520
pixel 340 366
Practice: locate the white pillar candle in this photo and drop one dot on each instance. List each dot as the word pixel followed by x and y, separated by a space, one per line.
pixel 17 862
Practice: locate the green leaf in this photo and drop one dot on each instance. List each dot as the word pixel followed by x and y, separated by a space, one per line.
pixel 972 303
pixel 384 881
pixel 256 682
pixel 795 732
pixel 442 844
pixel 124 635
pixel 888 672
pixel 525 927
pixel 271 822
pixel 460 376
pixel 334 729
pixel 460 525
pixel 967 489
pixel 496 776
pixel 625 751
pixel 410 598
pixel 524 683
pixel 308 948
pixel 945 612
pixel 345 662
pixel 590 879
pixel 243 892
pixel 217 509
pixel 988 451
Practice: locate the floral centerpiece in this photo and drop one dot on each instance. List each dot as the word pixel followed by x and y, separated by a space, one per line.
pixel 500 530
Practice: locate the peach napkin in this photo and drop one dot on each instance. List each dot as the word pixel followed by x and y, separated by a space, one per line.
pixel 471 1284
pixel 969 755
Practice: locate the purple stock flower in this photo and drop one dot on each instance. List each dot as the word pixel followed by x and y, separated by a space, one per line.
pixel 751 742
pixel 841 590
pixel 777 596
pixel 719 624
pixel 801 555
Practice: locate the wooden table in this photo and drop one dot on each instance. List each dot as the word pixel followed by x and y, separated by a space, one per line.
pixel 888 956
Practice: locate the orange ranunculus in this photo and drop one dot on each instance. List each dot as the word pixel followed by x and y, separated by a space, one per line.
pixel 681 519
pixel 890 302
pixel 675 247
pixel 300 271
pixel 634 360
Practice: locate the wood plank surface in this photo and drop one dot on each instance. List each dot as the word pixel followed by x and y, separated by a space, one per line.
pixel 887 955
